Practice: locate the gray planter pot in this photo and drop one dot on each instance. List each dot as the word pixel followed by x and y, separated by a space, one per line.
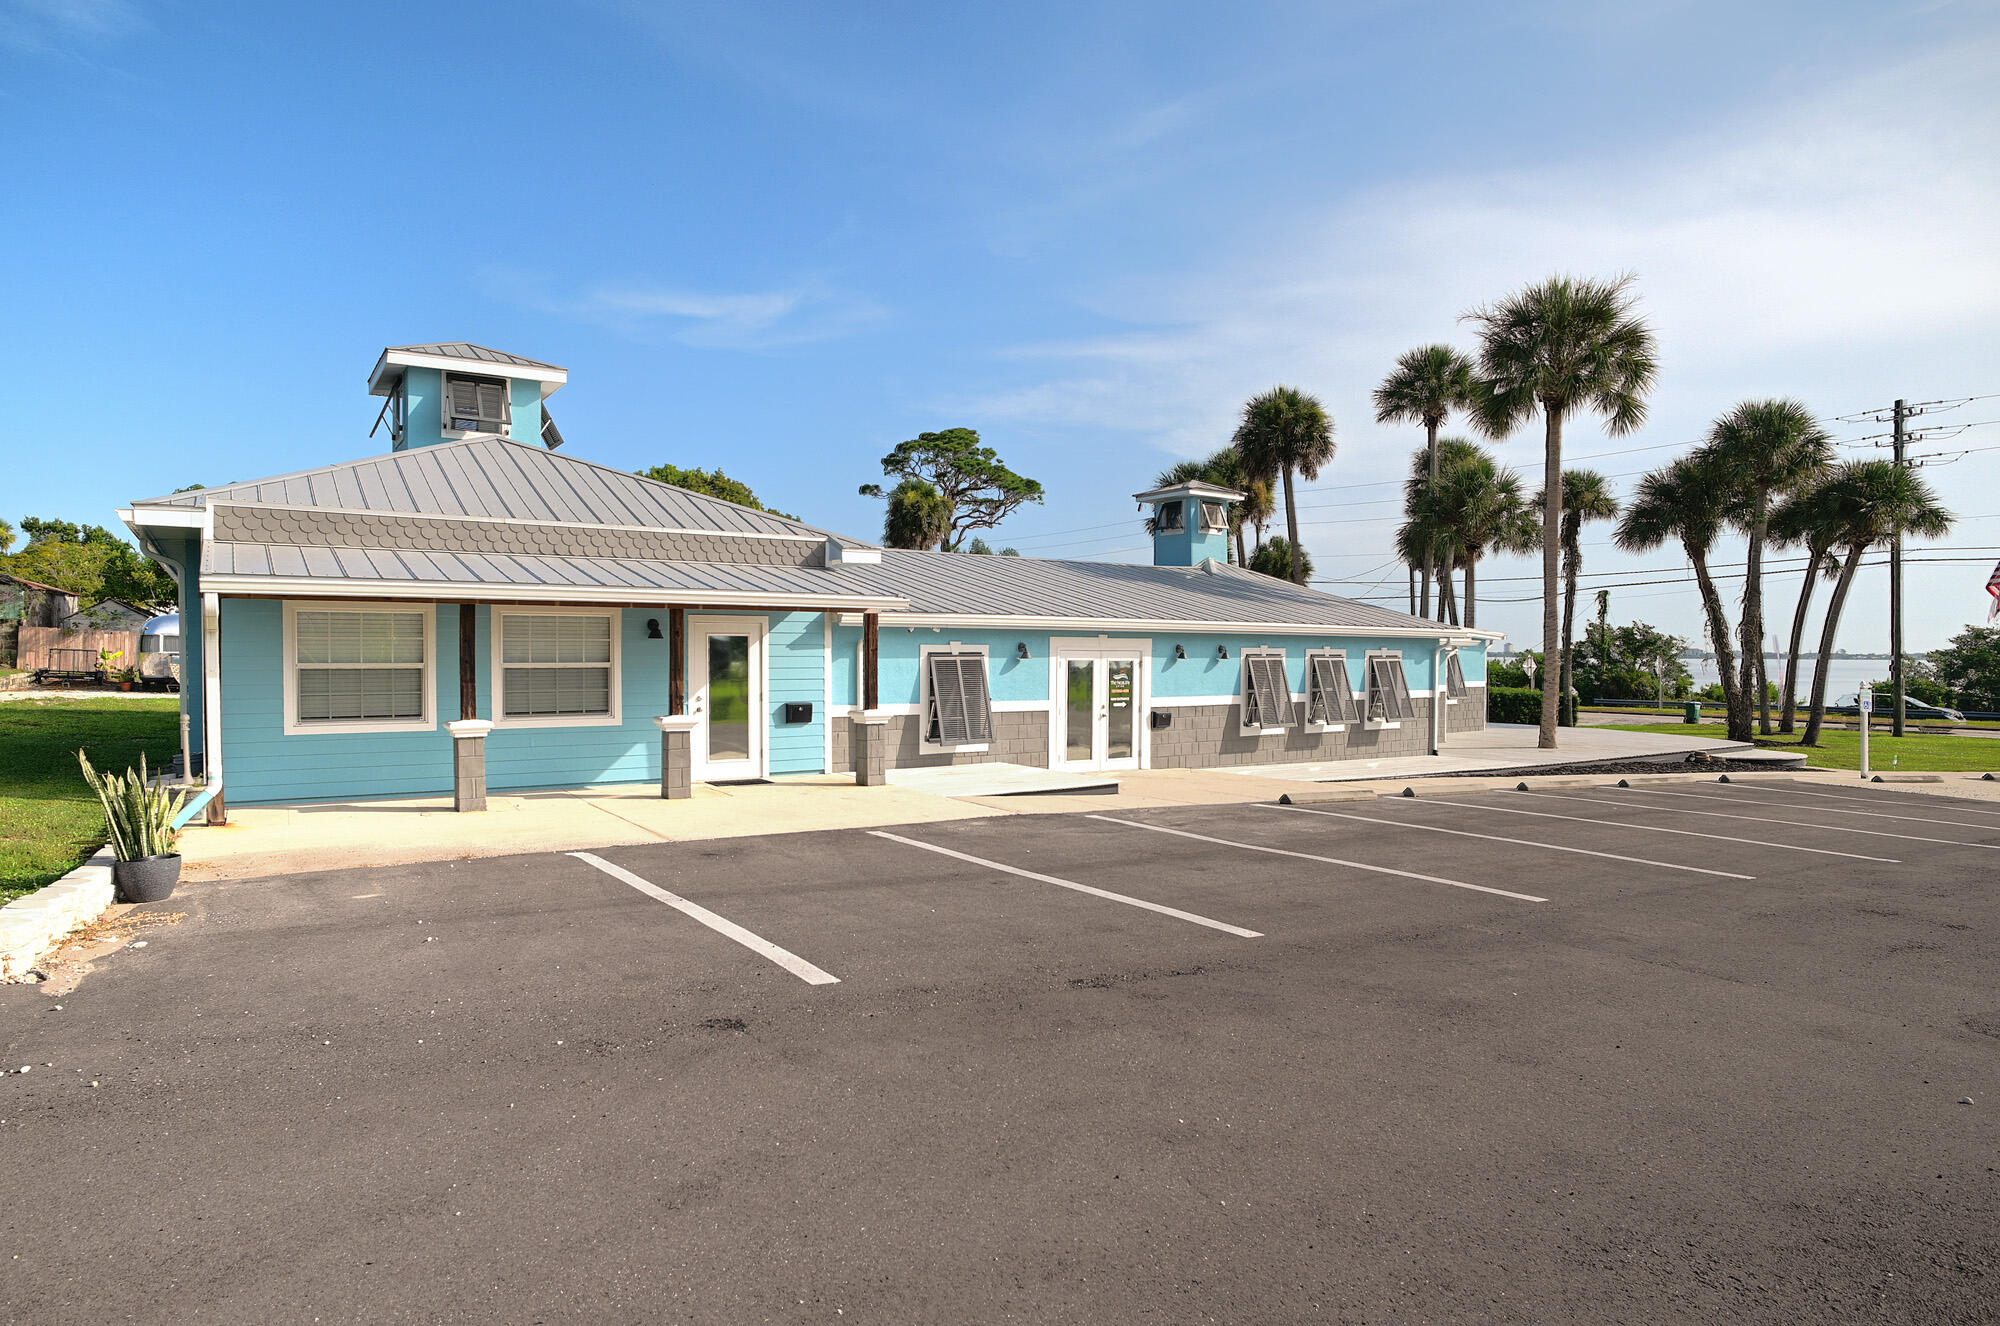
pixel 149 879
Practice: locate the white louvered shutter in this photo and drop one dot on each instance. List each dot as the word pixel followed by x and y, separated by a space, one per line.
pixel 1335 701
pixel 1454 677
pixel 1272 693
pixel 959 699
pixel 492 404
pixel 978 705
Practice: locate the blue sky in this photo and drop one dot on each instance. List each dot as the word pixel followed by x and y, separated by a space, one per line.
pixel 780 239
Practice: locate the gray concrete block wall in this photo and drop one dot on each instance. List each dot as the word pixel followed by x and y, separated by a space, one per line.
pixel 468 773
pixel 1018 738
pixel 1469 714
pixel 1208 736
pixel 676 765
pixel 871 754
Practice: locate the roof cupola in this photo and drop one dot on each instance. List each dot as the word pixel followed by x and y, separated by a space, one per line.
pixel 452 389
pixel 1190 522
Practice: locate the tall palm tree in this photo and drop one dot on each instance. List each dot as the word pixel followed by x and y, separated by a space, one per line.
pixel 1286 431
pixel 1767 449
pixel 1805 519
pixel 1226 468
pixel 1869 502
pixel 1684 500
pixel 1586 496
pixel 1468 507
pixel 1567 344
pixel 1427 384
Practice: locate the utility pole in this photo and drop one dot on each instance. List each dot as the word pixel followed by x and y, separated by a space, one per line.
pixel 1896 594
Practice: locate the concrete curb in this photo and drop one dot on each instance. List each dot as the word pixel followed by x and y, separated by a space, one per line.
pixel 32 926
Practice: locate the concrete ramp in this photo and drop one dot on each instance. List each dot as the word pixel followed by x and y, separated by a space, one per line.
pixel 998 780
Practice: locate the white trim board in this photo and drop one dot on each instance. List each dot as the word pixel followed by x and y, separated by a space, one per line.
pixel 446 591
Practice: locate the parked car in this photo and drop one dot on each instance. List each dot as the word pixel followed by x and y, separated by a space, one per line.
pixel 1912 708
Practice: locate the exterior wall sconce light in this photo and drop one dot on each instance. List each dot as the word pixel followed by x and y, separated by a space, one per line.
pixel 1180 651
pixel 1021 652
pixel 1222 651
pixel 653 628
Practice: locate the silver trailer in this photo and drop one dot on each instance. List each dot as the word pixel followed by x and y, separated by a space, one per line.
pixel 159 661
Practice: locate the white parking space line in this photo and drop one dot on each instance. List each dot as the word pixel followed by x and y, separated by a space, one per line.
pixel 1496 838
pixel 1764 819
pixel 1822 810
pixel 1845 808
pixel 722 925
pixel 1327 860
pixel 1093 891
pixel 1661 828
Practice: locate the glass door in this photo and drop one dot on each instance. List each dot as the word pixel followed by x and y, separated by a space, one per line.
pixel 1100 711
pixel 725 691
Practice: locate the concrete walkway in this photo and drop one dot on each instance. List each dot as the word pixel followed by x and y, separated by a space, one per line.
pixel 274 840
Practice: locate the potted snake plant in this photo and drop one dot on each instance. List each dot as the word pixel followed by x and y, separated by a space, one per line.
pixel 140 821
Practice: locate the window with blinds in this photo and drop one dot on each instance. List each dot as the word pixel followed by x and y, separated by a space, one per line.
pixel 359 667
pixel 556 665
pixel 1267 696
pixel 476 405
pixel 1329 698
pixel 1389 690
pixel 958 710
pixel 1454 677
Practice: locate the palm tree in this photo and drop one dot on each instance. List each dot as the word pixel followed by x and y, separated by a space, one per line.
pixel 1225 470
pixel 1868 502
pixel 1767 449
pixel 1468 506
pixel 1586 496
pixel 1554 348
pixel 1804 518
pixel 1428 383
pixel 1284 430
pixel 919 516
pixel 1684 500
pixel 6 535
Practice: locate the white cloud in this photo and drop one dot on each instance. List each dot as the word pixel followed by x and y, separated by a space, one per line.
pixel 1859 216
pixel 39 25
pixel 755 320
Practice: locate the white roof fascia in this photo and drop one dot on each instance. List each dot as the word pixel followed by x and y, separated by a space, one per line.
pixel 168 517
pixel 512 520
pixel 552 379
pixel 454 592
pixel 1192 488
pixel 974 621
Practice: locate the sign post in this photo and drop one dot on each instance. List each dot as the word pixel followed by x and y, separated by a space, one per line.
pixel 1865 703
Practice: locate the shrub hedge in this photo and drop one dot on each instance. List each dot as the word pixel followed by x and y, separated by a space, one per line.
pixel 1521 704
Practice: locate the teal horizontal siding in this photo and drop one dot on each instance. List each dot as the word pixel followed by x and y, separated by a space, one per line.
pixel 796 664
pixel 566 756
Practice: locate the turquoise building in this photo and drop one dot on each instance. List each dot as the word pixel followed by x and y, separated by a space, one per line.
pixel 351 631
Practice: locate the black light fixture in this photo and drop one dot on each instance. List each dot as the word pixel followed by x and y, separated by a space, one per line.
pixel 1021 651
pixel 1180 651
pixel 1222 651
pixel 652 628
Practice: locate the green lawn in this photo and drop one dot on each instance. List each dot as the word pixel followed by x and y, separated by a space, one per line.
pixel 1842 750
pixel 49 818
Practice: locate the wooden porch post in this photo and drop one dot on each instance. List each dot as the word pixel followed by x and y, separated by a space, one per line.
pixel 468 664
pixel 677 671
pixel 871 661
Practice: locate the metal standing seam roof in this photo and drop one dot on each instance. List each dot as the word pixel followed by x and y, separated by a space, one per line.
pixel 493 476
pixel 479 353
pixel 522 570
pixel 956 584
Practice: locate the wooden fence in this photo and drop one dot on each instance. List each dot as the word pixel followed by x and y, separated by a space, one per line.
pixel 38 643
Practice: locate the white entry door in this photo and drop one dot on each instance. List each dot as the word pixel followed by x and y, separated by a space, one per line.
pixel 1097 720
pixel 726 692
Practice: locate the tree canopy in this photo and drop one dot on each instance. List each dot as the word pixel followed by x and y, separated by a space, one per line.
pixel 918 518
pixel 976 485
pixel 1274 558
pixel 1968 669
pixel 711 483
pixel 89 561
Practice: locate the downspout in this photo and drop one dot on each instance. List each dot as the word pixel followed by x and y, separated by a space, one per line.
pixel 1438 700
pixel 211 703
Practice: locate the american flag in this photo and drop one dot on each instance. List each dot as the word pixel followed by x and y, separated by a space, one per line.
pixel 1993 588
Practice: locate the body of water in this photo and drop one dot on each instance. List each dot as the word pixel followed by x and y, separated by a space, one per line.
pixel 1844 676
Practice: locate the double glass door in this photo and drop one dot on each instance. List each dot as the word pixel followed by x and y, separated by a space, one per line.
pixel 1100 710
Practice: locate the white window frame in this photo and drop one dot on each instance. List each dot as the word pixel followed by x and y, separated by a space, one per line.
pixel 1369 721
pixel 298 727
pixel 1339 656
pixel 506 426
pixel 1179 507
pixel 499 669
pixel 1220 524
pixel 1243 692
pixel 924 741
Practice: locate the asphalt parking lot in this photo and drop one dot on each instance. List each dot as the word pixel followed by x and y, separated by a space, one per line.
pixel 1589 1054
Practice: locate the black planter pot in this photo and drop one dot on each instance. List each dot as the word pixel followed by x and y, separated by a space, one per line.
pixel 149 879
